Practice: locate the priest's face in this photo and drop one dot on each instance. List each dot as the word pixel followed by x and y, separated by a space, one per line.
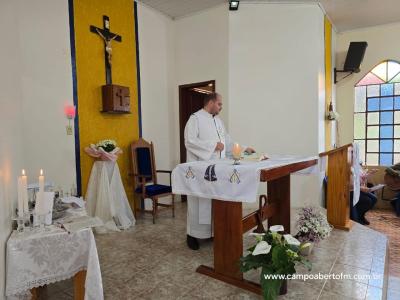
pixel 216 106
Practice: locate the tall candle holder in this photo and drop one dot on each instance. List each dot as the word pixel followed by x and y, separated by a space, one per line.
pixel 236 161
pixel 20 220
pixel 27 220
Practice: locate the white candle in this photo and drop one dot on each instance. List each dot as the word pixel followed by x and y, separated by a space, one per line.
pixel 24 180
pixel 20 196
pixel 40 196
pixel 236 151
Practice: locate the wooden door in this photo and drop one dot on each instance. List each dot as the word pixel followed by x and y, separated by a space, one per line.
pixel 190 101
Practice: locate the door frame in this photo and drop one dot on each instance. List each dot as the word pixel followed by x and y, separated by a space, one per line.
pixel 181 103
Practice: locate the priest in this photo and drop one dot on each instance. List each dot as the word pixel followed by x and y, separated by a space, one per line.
pixel 205 139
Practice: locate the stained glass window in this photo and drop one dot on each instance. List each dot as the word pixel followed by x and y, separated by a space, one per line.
pixel 377 115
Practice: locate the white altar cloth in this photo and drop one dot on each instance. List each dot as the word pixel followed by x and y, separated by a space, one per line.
pixel 220 179
pixel 38 258
pixel 106 197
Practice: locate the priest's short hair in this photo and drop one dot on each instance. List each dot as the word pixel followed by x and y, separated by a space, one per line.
pixel 210 97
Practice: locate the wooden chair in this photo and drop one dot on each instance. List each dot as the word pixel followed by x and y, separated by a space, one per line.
pixel 145 177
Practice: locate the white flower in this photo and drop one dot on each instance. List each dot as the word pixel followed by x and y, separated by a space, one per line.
pixel 262 248
pixel 276 228
pixel 291 240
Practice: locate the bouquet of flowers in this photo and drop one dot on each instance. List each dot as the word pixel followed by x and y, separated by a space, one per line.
pixel 276 254
pixel 104 150
pixel 312 225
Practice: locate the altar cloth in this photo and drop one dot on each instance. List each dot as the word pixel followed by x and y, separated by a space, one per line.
pixel 220 179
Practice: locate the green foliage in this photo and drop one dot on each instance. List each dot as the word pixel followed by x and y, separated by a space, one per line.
pixel 108 147
pixel 280 260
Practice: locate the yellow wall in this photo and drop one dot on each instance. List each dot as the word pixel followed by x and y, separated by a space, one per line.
pixel 328 81
pixel 93 125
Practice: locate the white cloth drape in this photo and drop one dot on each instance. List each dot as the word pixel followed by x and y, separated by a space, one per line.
pixel 35 259
pixel 106 197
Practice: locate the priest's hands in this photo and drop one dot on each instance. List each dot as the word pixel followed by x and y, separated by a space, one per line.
pixel 249 150
pixel 219 147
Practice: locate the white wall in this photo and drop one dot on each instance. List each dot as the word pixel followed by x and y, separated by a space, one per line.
pixel 156 50
pixel 46 86
pixel 263 81
pixel 11 147
pixel 36 82
pixel 201 54
pixel 382 45
pixel 277 83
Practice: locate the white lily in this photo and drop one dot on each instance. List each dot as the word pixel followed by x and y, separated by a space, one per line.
pixel 276 228
pixel 291 240
pixel 262 248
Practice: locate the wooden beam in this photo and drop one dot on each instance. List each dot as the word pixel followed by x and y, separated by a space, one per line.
pixel 279 194
pixel 335 150
pixel 228 232
pixel 251 220
pixel 241 283
pixel 274 173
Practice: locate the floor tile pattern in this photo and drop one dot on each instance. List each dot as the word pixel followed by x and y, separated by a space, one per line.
pixel 153 262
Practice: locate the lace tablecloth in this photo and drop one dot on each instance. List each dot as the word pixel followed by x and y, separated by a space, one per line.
pixel 106 197
pixel 38 258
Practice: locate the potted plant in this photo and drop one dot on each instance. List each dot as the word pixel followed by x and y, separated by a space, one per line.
pixel 276 255
pixel 312 227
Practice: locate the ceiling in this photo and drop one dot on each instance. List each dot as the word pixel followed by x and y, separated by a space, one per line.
pixel 180 8
pixel 353 14
pixel 344 14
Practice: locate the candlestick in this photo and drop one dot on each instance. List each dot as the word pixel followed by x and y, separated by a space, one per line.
pixel 40 196
pixel 24 181
pixel 20 196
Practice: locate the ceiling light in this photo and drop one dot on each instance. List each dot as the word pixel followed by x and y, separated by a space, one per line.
pixel 233 5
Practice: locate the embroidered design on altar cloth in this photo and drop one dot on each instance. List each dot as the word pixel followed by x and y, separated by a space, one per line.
pixel 190 174
pixel 210 173
pixel 234 178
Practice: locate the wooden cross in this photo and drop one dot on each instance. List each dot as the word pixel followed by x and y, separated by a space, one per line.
pixel 119 94
pixel 108 37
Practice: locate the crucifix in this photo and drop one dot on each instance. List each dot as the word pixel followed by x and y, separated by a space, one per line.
pixel 107 37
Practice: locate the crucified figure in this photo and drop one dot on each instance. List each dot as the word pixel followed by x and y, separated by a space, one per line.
pixel 107 42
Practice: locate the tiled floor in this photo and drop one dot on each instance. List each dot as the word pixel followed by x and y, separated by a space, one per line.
pixel 153 262
pixel 387 222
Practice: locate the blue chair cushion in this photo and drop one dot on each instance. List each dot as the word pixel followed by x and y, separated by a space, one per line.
pixel 144 162
pixel 155 189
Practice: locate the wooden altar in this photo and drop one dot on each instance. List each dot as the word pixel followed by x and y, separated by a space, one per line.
pixel 229 226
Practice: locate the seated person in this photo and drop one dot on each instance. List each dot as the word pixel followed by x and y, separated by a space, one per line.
pixel 392 180
pixel 366 201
